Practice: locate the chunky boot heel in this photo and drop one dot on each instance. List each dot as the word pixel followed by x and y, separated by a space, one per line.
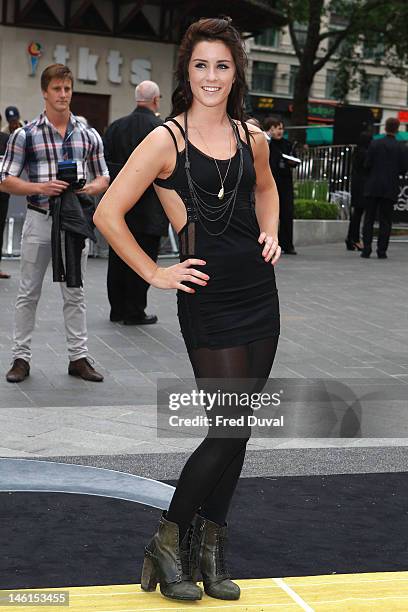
pixel 207 558
pixel 149 577
pixel 167 561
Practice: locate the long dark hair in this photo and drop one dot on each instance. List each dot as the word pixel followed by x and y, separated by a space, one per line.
pixel 211 29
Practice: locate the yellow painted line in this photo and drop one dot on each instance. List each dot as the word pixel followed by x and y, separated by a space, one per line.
pixel 256 596
pixel 348 578
pixel 368 592
pixel 375 581
pixel 387 591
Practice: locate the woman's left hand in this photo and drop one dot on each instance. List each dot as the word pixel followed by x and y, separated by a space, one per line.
pixel 271 251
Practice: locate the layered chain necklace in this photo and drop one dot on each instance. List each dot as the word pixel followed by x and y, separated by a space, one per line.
pixel 207 213
pixel 221 192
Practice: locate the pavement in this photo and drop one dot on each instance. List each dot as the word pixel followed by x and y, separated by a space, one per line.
pixel 343 318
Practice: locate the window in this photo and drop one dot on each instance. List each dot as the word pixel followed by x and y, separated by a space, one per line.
pixel 331 76
pixel 342 46
pixel 292 76
pixel 371 89
pixel 263 76
pixel 338 21
pixel 268 38
pixel 301 33
pixel 373 50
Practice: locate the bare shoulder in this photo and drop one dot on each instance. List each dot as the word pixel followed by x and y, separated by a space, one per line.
pixel 253 129
pixel 160 137
pixel 158 150
pixel 256 135
pixel 170 125
pixel 157 143
pixel 259 143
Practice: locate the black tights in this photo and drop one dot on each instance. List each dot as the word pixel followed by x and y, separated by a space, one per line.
pixel 208 479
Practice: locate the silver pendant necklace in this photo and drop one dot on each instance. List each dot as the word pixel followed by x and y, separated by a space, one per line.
pixel 221 192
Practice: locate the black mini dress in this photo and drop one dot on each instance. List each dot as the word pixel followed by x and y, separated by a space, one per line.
pixel 240 303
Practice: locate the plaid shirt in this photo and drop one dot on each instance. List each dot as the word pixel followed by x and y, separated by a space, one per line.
pixel 38 147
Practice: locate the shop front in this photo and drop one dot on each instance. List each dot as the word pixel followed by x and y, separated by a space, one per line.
pixel 106 71
pixel 321 115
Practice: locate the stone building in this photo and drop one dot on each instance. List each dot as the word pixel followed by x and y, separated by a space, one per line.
pixel 272 71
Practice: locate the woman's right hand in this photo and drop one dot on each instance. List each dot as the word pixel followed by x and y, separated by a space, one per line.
pixel 173 276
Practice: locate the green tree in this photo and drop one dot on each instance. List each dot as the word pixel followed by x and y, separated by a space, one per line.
pixel 322 30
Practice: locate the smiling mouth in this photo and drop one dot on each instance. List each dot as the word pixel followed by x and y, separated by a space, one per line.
pixel 211 89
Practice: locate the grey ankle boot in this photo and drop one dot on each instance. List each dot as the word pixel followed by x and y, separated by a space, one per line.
pixel 207 559
pixel 168 562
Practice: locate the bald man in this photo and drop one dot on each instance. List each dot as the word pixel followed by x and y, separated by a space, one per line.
pixel 127 291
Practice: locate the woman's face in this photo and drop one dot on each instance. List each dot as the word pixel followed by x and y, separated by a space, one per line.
pixel 211 72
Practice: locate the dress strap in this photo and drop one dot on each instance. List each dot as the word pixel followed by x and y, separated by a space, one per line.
pixel 172 135
pixel 178 125
pixel 248 138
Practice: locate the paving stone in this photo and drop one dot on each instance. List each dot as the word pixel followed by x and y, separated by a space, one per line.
pixel 342 318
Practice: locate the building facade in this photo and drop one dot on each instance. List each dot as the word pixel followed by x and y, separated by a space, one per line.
pixel 106 66
pixel 272 70
pixel 110 46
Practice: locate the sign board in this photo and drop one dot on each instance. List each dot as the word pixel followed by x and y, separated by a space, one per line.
pixel 400 214
pixel 140 69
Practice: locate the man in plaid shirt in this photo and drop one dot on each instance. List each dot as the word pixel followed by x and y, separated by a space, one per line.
pixel 56 135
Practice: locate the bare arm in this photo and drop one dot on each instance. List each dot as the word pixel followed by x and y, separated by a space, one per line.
pixel 12 166
pixel 266 198
pixel 148 160
pixel 18 186
pixel 98 185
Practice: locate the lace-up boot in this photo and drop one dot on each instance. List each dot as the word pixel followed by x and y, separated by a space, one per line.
pixel 168 562
pixel 208 559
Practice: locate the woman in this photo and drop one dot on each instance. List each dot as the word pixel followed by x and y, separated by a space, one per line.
pixel 211 172
pixel 358 178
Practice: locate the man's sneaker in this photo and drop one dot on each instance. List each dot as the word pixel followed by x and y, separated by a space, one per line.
pixel 18 371
pixel 83 369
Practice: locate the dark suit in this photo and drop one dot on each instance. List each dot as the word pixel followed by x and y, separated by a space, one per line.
pixel 4 197
pixel 127 291
pixel 386 161
pixel 358 180
pixel 282 174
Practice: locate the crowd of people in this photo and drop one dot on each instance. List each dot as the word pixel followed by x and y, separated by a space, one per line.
pixel 38 148
pixel 376 168
pixel 58 136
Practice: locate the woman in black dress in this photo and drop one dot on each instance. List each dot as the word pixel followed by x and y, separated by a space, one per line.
pixel 211 172
pixel 359 175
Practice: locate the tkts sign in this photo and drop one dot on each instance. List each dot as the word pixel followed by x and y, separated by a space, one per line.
pixel 140 69
pixel 87 67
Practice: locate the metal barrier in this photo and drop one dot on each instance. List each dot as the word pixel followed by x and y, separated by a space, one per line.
pixel 168 245
pixel 12 236
pixel 325 174
pixel 14 226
